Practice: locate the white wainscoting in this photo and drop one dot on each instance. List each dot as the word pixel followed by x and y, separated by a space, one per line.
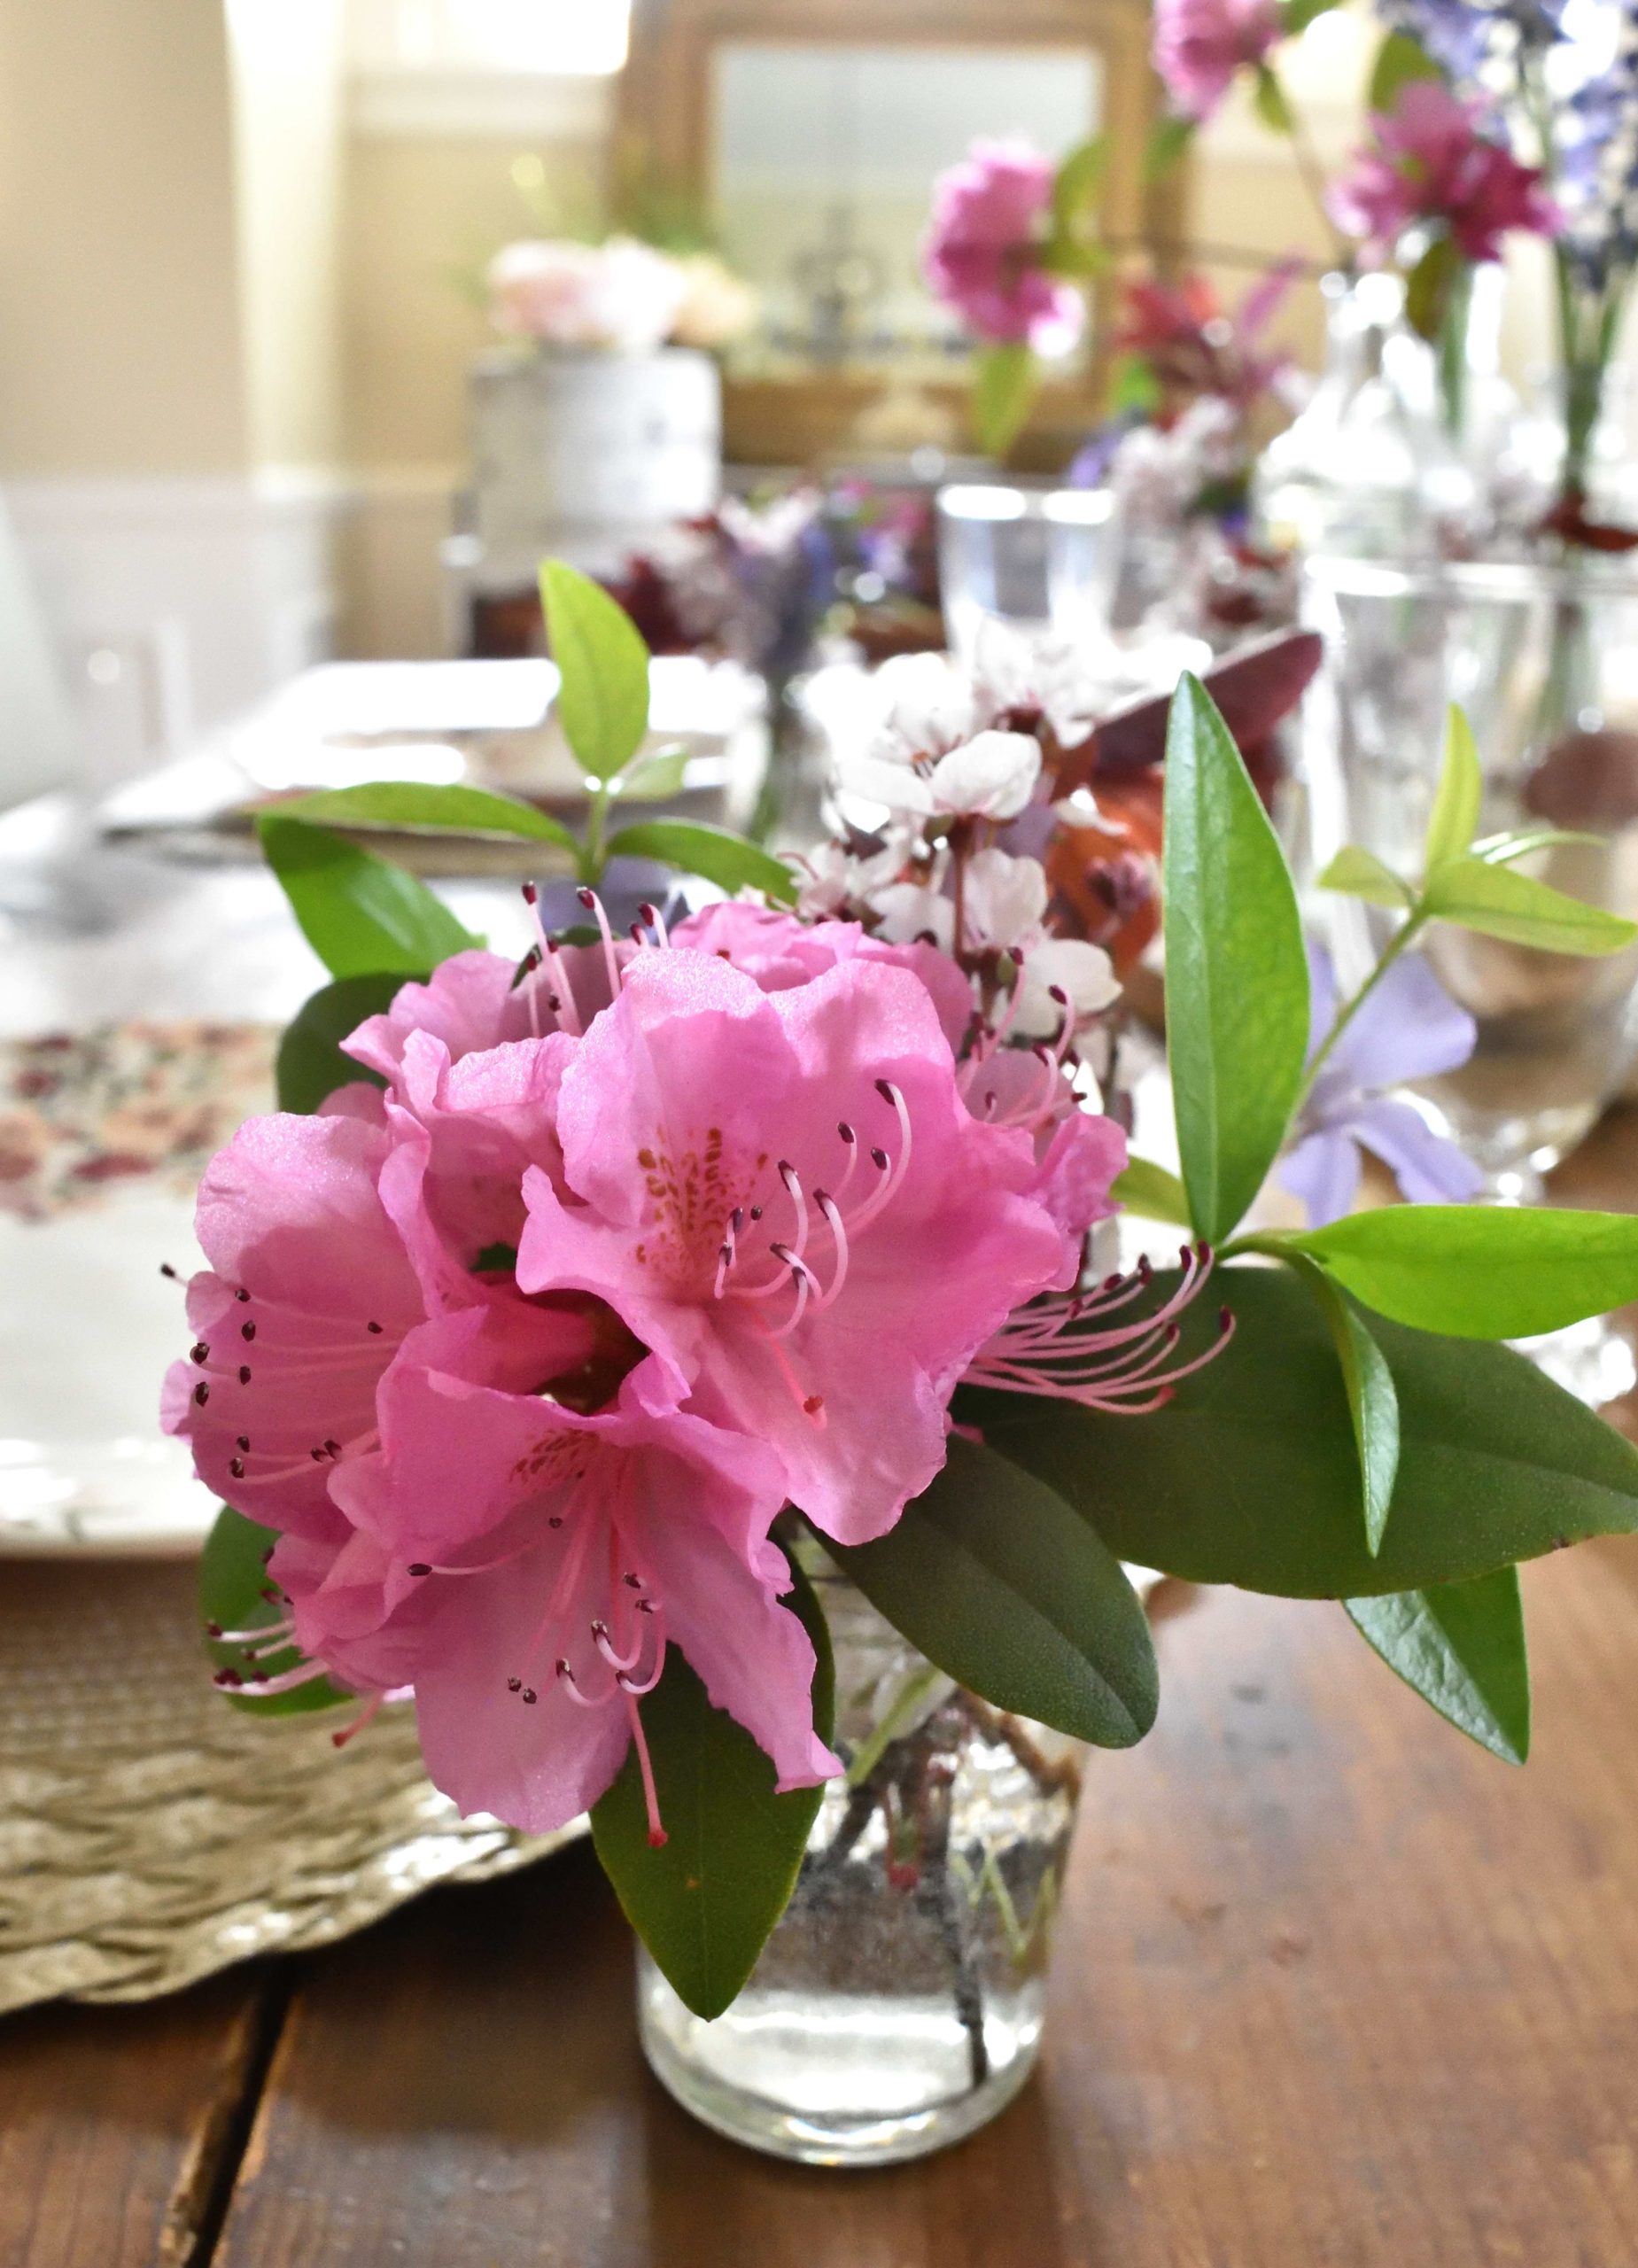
pixel 175 603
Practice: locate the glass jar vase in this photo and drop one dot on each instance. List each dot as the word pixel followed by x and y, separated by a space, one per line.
pixel 898 2004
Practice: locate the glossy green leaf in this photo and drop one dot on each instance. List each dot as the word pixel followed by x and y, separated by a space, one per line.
pixel 361 914
pixel 1236 972
pixel 1250 1475
pixel 1400 60
pixel 653 778
pixel 233 1576
pixel 717 857
pixel 1147 1188
pixel 1431 287
pixel 422 807
pixel 1355 872
pixel 991 1575
pixel 704 1902
pixel 311 1065
pixel 1480 1271
pixel 1004 383
pixel 1078 184
pixel 1524 842
pixel 1456 801
pixel 1373 1405
pixel 1269 101
pixel 1476 894
pixel 1170 138
pixel 1461 1646
pixel 602 703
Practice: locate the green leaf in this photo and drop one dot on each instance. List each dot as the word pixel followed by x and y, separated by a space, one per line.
pixel 1149 1189
pixel 1169 139
pixel 1269 102
pixel 704 1902
pixel 1074 257
pixel 1004 384
pixel 1460 792
pixel 311 1065
pixel 1078 184
pixel 1480 1272
pixel 421 807
pixel 1373 1405
pixel 1355 872
pixel 653 778
pixel 233 1576
pixel 717 857
pixel 1476 894
pixel 1399 60
pixel 1297 15
pixel 1461 1646
pixel 361 914
pixel 1431 285
pixel 1524 842
pixel 1237 973
pixel 994 1579
pixel 602 703
pixel 1250 1475
pixel 1133 385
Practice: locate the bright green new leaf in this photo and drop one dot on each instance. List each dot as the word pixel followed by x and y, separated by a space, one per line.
pixel 1004 384
pixel 704 1902
pixel 1133 385
pixel 1456 801
pixel 1461 1646
pixel 233 1576
pixel 1480 1272
pixel 655 777
pixel 1250 1475
pixel 423 808
pixel 1237 973
pixel 311 1065
pixel 1269 101
pixel 1078 183
pixel 602 703
pixel 1476 894
pixel 1355 872
pixel 992 1576
pixel 1399 60
pixel 1149 1189
pixel 362 915
pixel 1373 1405
pixel 717 857
pixel 1169 137
pixel 1524 842
pixel 1074 257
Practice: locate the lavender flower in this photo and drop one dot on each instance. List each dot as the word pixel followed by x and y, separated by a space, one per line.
pixel 1410 1027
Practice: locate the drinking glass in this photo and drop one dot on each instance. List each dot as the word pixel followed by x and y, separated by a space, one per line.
pixel 1042 560
pixel 1543 660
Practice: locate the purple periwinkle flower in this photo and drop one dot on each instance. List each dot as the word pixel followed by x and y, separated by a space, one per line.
pixel 1410 1027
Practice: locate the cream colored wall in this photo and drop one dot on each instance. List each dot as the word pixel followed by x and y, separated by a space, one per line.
pixel 119 349
pixel 286 69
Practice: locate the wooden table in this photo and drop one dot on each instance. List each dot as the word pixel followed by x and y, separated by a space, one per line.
pixel 1332 1990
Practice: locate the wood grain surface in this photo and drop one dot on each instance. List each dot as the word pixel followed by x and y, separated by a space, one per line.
pixel 1333 1989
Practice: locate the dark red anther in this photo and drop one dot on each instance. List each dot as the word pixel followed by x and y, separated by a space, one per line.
pixel 201 1394
pixel 1205 1253
pixel 244 1373
pixel 554 1519
pixel 1225 1320
pixel 242 1296
pixel 235 1466
pixel 756 1212
pixel 846 1132
pixel 636 934
pixel 530 893
pixel 374 1330
pixel 589 899
pixel 212 1629
pixel 1056 992
pixel 514 1684
pixel 334 1447
pixel 885 1089
pixel 317 1455
pixel 531 1695
pixel 167 1271
pixel 227 1677
pixel 879 1159
pixel 634 1582
pixel 650 914
pixel 247 1331
pixel 419 1567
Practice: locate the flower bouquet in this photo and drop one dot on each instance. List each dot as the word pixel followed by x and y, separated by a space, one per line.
pixel 691 1367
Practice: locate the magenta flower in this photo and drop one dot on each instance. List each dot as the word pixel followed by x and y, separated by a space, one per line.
pixel 1430 162
pixel 1199 44
pixel 786 1195
pixel 982 251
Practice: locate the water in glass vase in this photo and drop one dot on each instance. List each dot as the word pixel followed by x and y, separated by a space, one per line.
pixel 898 2004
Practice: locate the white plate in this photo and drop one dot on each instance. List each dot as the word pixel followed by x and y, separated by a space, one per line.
pixel 87 1325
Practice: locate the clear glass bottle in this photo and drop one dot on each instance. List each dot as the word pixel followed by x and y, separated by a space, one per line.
pixel 898 2004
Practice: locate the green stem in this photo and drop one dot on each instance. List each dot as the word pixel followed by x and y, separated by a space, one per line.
pixel 1451 349
pixel 592 857
pixel 1402 937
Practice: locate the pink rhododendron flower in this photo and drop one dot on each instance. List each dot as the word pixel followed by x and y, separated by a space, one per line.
pixel 621 295
pixel 502 1506
pixel 1430 162
pixel 1199 44
pixel 785 1194
pixel 980 254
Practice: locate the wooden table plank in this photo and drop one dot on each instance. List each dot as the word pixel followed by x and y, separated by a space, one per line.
pixel 115 2122
pixel 1333 1990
